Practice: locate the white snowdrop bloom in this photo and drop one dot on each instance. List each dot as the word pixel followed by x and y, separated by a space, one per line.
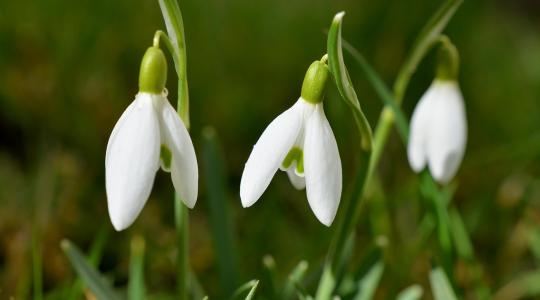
pixel 148 134
pixel 438 131
pixel 300 141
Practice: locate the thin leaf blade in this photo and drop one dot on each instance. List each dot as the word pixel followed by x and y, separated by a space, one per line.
pixel 89 275
pixel 220 220
pixel 368 284
pixel 414 292
pixel 440 285
pixel 136 286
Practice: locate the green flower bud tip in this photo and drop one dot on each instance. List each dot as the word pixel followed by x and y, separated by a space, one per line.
pixel 315 81
pixel 447 61
pixel 153 74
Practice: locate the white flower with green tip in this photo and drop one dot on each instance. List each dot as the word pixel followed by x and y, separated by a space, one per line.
pixel 148 134
pixel 439 124
pixel 300 141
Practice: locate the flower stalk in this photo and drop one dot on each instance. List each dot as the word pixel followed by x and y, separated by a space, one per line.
pixel 175 29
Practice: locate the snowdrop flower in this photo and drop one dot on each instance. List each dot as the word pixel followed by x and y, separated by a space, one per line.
pixel 438 126
pixel 301 143
pixel 148 134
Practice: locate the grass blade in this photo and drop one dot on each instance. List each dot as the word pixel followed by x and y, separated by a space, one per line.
pixel 460 236
pixel 220 219
pixel 294 279
pixel 250 286
pixel 440 285
pixel 368 284
pixel 136 286
pixel 414 292
pixel 94 257
pixel 382 90
pixel 270 288
pixel 89 275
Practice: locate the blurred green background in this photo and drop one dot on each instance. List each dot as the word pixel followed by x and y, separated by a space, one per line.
pixel 69 68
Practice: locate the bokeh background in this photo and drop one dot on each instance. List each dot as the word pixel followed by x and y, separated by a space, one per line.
pixel 69 68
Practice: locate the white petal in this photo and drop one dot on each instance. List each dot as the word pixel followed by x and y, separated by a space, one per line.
pixel 131 161
pixel 299 182
pixel 448 132
pixel 322 167
pixel 419 134
pixel 269 152
pixel 184 169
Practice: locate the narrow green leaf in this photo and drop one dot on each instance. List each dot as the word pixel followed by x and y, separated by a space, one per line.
pixel 250 286
pixel 440 285
pixel 460 236
pixel 195 287
pixel 382 90
pixel 220 220
pixel 136 286
pixel 343 80
pixel 270 288
pixel 94 257
pixel 414 292
pixel 251 293
pixel 89 275
pixel 368 284
pixel 294 280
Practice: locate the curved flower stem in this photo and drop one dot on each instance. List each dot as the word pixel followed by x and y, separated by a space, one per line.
pixel 175 29
pixel 176 44
pixel 161 36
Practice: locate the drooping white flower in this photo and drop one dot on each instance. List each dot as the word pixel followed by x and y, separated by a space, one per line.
pixel 438 131
pixel 148 134
pixel 300 141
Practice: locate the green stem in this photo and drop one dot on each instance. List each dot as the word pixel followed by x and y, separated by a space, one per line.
pixel 161 36
pixel 352 209
pixel 182 268
pixel 175 29
pixel 425 41
pixel 136 286
pixel 176 42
